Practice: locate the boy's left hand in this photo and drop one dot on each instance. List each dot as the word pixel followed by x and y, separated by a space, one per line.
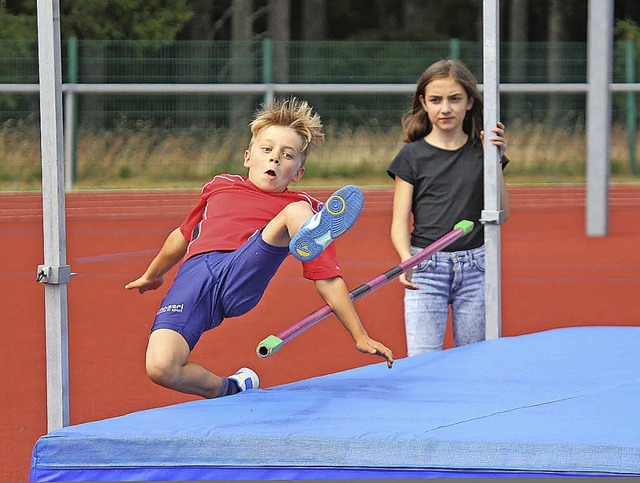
pixel 369 346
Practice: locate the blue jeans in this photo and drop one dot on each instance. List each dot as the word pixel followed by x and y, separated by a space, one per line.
pixel 445 279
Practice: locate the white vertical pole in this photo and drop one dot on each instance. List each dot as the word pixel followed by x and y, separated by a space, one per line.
pixel 599 76
pixel 54 273
pixel 69 109
pixel 491 213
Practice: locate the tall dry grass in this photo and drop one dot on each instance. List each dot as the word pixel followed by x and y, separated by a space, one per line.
pixel 125 158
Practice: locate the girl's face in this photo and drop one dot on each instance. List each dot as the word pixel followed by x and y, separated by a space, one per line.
pixel 446 104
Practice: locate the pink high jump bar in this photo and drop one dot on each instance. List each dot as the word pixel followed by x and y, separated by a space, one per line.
pixel 272 343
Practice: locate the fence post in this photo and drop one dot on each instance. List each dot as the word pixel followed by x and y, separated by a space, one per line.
pixel 70 115
pixel 630 65
pixel 267 70
pixel 454 49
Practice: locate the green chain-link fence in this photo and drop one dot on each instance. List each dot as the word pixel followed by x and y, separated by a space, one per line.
pixel 183 136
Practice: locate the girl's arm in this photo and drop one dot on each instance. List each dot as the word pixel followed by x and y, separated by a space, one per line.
pixel 335 293
pixel 401 226
pixel 174 248
pixel 500 140
pixel 505 203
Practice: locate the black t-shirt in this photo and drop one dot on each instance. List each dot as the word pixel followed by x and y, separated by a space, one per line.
pixel 448 187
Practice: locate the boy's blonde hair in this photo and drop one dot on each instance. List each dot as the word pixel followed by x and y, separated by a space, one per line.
pixel 295 114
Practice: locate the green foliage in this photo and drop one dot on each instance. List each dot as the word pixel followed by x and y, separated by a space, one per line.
pixel 125 19
pixel 17 26
pixel 627 29
pixel 100 19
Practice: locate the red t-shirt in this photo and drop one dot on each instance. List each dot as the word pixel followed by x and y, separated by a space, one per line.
pixel 232 208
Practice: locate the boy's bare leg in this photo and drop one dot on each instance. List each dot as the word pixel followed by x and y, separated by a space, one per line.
pixel 287 223
pixel 168 365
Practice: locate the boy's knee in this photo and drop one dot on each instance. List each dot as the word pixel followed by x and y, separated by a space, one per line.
pixel 160 372
pixel 167 352
pixel 300 208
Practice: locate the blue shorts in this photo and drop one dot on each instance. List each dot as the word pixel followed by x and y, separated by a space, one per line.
pixel 213 286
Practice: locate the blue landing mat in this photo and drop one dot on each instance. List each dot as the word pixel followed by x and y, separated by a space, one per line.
pixel 555 403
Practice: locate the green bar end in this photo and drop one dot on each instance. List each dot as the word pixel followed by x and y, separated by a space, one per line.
pixel 465 225
pixel 268 346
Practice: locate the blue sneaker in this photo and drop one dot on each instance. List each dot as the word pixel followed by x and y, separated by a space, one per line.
pixel 245 378
pixel 337 215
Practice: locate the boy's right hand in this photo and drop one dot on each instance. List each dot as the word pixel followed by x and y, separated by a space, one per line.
pixel 143 284
pixel 369 346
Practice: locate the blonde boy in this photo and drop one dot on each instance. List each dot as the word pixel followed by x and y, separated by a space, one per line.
pixel 234 240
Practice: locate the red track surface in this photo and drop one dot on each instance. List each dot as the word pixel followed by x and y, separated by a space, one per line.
pixel 553 276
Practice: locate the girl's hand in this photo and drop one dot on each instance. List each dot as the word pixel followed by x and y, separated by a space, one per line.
pixel 405 280
pixel 500 140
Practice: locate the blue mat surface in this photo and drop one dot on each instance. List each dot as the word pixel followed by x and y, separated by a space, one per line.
pixel 555 403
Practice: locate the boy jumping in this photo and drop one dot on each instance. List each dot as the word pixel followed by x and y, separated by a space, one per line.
pixel 233 242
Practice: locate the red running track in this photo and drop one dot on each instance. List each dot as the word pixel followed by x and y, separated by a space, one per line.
pixel 553 276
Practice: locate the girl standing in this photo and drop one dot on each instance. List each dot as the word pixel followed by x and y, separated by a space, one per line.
pixel 438 177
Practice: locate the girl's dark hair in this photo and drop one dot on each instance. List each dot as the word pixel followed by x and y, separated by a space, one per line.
pixel 416 124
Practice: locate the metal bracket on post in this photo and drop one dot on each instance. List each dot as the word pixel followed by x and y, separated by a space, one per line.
pixel 54 274
pixel 492 217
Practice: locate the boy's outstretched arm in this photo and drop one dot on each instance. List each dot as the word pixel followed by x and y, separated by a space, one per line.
pixel 174 248
pixel 335 293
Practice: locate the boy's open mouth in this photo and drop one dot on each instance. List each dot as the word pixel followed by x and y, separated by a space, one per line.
pixel 271 172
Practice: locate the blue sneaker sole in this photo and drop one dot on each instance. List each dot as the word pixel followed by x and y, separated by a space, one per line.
pixel 339 214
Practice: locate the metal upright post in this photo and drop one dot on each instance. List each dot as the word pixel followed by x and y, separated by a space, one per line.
pixel 632 108
pixel 491 215
pixel 70 115
pixel 54 273
pixel 599 70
